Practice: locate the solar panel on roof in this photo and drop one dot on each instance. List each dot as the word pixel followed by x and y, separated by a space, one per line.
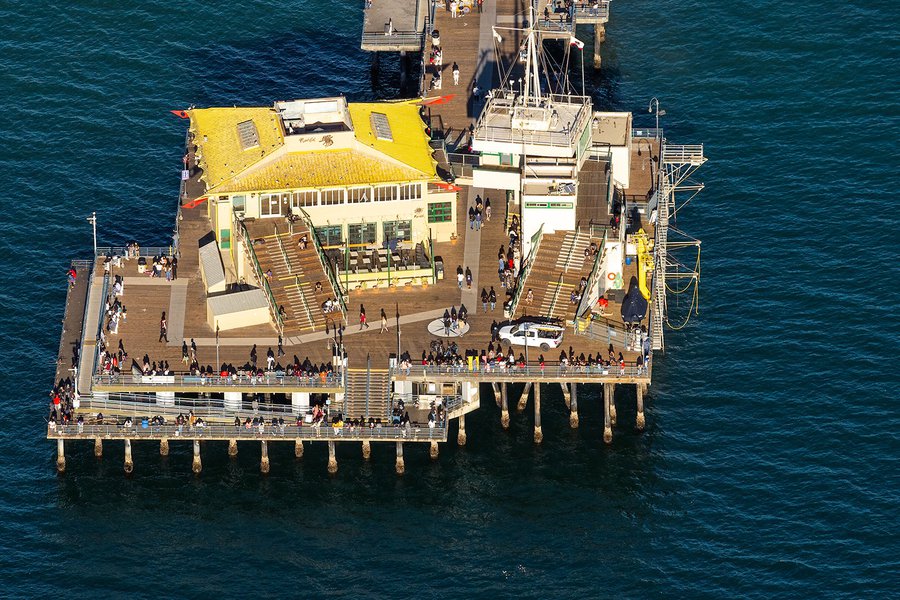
pixel 247 134
pixel 381 127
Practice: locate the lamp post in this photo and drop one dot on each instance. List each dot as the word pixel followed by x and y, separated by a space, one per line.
pixel 93 221
pixel 659 113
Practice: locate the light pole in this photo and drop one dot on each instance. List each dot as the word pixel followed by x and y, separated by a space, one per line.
pixel 659 113
pixel 93 221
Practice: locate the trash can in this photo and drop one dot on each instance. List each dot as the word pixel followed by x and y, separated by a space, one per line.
pixel 435 38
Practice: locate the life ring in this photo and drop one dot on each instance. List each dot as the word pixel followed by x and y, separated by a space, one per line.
pixel 611 276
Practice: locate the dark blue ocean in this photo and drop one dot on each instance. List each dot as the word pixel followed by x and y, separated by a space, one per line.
pixel 770 464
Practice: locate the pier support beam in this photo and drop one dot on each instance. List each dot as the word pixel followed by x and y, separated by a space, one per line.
pixel 607 425
pixel 496 390
pixel 164 447
pixel 523 399
pixel 461 436
pixel 98 447
pixel 612 404
pixel 640 422
pixel 197 466
pixel 599 38
pixel 401 466
pixel 232 448
pixel 332 459
pixel 264 460
pixel 298 448
pixel 573 407
pixel 366 449
pixel 504 407
pixel 565 390
pixel 129 463
pixel 538 432
pixel 60 456
pixel 433 451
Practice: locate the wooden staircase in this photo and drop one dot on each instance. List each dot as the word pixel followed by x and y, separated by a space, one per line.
pixel 368 394
pixel 557 271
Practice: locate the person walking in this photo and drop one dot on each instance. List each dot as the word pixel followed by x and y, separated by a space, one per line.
pixel 468 278
pixel 455 73
pixel 163 329
pixel 484 299
pixel 185 357
pixel 492 298
pixel 383 321
pixel 459 276
pixel 480 4
pixel 487 205
pixel 362 317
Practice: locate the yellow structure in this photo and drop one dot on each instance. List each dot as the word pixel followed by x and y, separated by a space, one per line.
pixel 321 156
pixel 645 262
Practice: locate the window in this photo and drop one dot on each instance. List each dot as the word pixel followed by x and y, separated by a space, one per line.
pixel 385 193
pixel 225 237
pixel 397 230
pixel 360 234
pixel 305 198
pixel 381 127
pixel 330 235
pixel 360 194
pixel 506 160
pixel 410 191
pixel 332 197
pixel 440 212
pixel 247 135
pixel 239 203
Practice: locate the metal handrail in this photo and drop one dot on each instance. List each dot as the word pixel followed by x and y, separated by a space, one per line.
pixel 263 282
pixel 326 265
pixel 592 278
pixel 530 370
pixel 284 256
pixel 269 379
pixel 312 323
pixel 147 251
pixel 586 9
pixel 305 432
pixel 523 276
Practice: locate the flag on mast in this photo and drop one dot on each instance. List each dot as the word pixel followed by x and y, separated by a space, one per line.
pixel 574 41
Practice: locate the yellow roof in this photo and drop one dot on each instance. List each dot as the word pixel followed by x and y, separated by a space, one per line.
pixel 320 168
pixel 410 143
pixel 222 155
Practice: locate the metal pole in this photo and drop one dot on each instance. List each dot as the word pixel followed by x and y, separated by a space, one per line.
pixel 525 325
pixel 93 221
pixel 397 305
pixel 217 346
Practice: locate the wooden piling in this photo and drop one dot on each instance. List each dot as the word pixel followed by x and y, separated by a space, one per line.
pixel 496 390
pixel 298 448
pixel 607 424
pixel 366 449
pixel 232 448
pixel 504 407
pixel 332 459
pixel 461 436
pixel 573 407
pixel 433 451
pixel 60 456
pixel 640 422
pixel 164 447
pixel 599 38
pixel 612 404
pixel 264 460
pixel 401 467
pixel 538 432
pixel 129 463
pixel 197 466
pixel 98 447
pixel 565 390
pixel 523 399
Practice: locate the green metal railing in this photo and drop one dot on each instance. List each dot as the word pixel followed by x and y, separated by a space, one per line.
pixel 326 264
pixel 257 270
pixel 520 284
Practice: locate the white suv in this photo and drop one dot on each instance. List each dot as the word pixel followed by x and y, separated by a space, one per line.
pixel 538 335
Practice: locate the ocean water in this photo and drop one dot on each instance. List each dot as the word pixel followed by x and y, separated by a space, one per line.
pixel 770 464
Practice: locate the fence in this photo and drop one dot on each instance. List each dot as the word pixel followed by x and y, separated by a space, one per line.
pixel 268 380
pixel 523 276
pixel 526 372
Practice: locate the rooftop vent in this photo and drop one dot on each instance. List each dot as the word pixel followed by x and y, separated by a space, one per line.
pixel 381 127
pixel 247 135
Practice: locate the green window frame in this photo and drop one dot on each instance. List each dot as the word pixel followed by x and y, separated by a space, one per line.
pixel 330 235
pixel 394 230
pixel 440 212
pixel 360 234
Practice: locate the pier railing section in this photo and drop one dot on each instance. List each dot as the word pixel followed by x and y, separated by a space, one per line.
pixel 591 12
pixel 98 333
pixel 509 311
pixel 145 251
pixel 273 380
pixel 304 432
pixel 493 122
pixel 527 372
pixel 244 236
pixel 587 300
pixel 462 165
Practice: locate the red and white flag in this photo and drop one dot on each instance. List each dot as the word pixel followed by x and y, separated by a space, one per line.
pixel 574 41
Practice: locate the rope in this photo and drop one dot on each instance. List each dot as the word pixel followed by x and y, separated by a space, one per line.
pixel 695 298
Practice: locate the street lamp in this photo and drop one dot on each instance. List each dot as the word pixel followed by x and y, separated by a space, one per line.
pixel 659 113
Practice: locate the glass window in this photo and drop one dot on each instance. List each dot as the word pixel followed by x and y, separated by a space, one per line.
pixel 332 197
pixel 357 195
pixel 385 193
pixel 398 230
pixel 305 198
pixel 239 202
pixel 410 191
pixel 330 235
pixel 440 212
pixel 359 234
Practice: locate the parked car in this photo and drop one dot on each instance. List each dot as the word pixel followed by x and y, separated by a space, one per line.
pixel 539 335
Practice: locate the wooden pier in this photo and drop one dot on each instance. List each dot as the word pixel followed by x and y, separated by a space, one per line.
pixel 358 371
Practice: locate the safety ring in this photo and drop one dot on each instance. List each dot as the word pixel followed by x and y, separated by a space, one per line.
pixel 611 276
